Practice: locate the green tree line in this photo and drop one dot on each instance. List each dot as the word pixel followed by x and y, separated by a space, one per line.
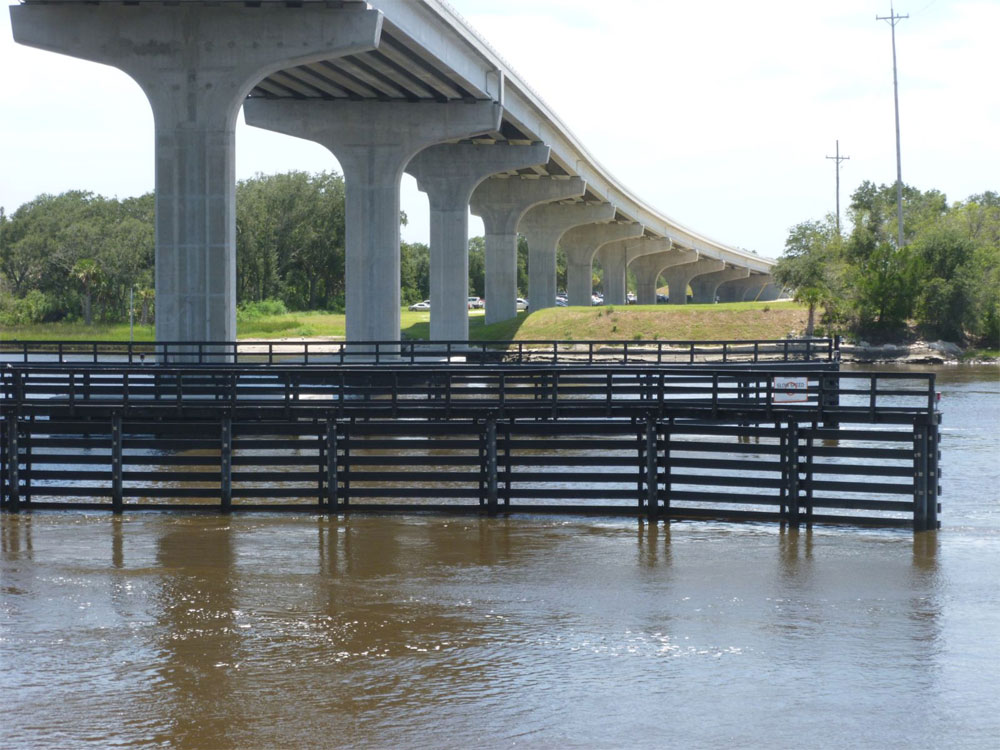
pixel 76 256
pixel 944 282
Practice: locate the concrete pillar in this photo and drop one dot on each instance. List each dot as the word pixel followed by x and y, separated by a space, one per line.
pixel 678 277
pixel 770 292
pixel 448 173
pixel 704 286
pixel 373 141
pixel 615 258
pixel 196 64
pixel 501 203
pixel 648 268
pixel 741 290
pixel 543 226
pixel 580 244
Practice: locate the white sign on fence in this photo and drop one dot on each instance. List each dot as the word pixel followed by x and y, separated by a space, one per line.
pixel 789 390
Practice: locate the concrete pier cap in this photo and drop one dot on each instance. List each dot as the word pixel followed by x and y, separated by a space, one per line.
pixel 543 227
pixel 580 245
pixel 501 202
pixel 449 173
pixel 373 141
pixel 196 64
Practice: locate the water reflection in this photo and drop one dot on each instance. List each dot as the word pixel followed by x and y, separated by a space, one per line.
pixel 198 645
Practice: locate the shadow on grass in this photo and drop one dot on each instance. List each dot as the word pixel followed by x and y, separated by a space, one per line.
pixel 505 330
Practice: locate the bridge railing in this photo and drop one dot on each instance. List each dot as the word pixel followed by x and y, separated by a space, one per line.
pixel 425 353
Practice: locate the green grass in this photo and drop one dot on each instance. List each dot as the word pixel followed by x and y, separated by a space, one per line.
pixel 974 354
pixel 739 320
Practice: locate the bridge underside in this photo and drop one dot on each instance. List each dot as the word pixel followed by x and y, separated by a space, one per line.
pixel 338 73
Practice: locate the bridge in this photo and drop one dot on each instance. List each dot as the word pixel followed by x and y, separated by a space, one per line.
pixel 389 86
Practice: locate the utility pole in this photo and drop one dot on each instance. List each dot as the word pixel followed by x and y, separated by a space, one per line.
pixel 893 19
pixel 838 158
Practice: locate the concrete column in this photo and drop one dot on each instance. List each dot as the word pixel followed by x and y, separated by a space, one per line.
pixel 678 277
pixel 741 290
pixel 373 141
pixel 501 203
pixel 770 292
pixel 705 286
pixel 614 261
pixel 580 244
pixel 543 226
pixel 196 64
pixel 648 268
pixel 448 173
pixel 615 258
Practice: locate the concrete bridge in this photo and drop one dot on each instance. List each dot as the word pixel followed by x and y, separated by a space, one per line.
pixel 387 86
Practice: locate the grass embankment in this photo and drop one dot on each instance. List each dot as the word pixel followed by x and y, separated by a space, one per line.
pixel 740 320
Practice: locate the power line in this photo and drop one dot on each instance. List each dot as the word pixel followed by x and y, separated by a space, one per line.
pixel 893 19
pixel 838 158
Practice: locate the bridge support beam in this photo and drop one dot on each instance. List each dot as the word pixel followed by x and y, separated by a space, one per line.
pixel 770 292
pixel 706 285
pixel 615 258
pixel 196 67
pixel 373 141
pixel 743 290
pixel 501 202
pixel 580 244
pixel 543 226
pixel 678 277
pixel 448 173
pixel 647 270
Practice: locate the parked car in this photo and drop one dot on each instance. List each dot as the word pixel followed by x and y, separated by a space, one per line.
pixel 475 303
pixel 522 304
pixel 562 302
pixel 421 306
pixel 595 300
pixel 662 299
pixel 630 298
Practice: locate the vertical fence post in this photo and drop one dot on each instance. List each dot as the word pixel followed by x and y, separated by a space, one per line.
pixel 933 473
pixel 920 476
pixel 792 477
pixel 666 437
pixel 13 461
pixel 808 470
pixel 507 462
pixel 491 465
pixel 652 483
pixel 226 463
pixel 116 462
pixel 332 502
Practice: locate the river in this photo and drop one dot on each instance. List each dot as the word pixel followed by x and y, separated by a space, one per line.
pixel 249 631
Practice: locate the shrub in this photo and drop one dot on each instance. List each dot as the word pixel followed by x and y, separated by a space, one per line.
pixel 32 308
pixel 265 308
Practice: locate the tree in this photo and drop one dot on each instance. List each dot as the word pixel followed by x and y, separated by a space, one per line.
pixel 810 266
pixel 88 273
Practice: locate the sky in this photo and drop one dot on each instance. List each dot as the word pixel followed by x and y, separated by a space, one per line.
pixel 717 114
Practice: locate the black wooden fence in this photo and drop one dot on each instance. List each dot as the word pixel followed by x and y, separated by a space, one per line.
pixel 675 442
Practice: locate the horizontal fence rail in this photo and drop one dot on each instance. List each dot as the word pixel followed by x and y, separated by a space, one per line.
pixel 468 391
pixel 425 352
pixel 767 443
